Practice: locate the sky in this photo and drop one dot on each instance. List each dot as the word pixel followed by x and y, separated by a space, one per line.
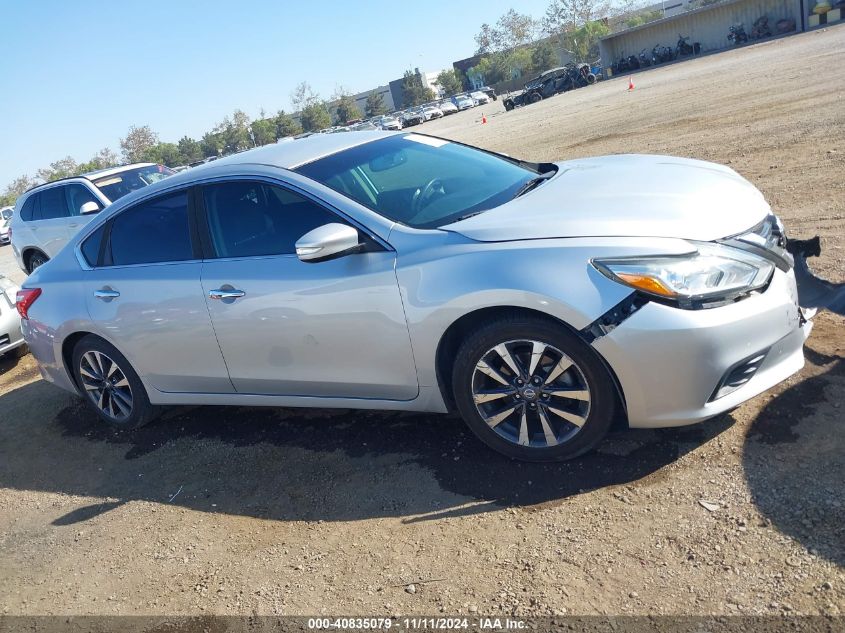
pixel 75 75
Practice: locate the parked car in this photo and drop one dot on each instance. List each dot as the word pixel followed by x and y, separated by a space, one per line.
pixel 431 112
pixel 407 272
pixel 463 101
pixel 490 92
pixel 5 231
pixel 6 213
pixel 390 122
pixel 11 338
pixel 479 97
pixel 447 107
pixel 48 215
pixel 412 117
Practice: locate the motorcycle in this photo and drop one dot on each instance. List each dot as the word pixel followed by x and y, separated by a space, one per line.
pixel 661 54
pixel 737 34
pixel 761 28
pixel 685 49
pixel 646 59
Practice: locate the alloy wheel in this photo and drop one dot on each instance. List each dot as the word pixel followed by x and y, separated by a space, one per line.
pixel 106 385
pixel 531 393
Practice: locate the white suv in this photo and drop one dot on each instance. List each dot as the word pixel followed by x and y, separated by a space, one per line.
pixel 48 215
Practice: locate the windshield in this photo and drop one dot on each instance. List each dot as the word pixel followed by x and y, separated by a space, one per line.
pixel 118 185
pixel 7 213
pixel 421 181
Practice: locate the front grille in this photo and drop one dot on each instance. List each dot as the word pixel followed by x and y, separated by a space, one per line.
pixel 738 375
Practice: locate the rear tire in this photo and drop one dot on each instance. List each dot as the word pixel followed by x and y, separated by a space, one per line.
pixel 562 401
pixel 591 79
pixel 110 386
pixel 35 260
pixel 534 97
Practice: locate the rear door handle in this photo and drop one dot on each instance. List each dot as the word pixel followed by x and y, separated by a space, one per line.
pixel 106 294
pixel 226 293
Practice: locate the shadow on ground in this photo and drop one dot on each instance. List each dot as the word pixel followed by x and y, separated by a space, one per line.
pixel 794 458
pixel 298 464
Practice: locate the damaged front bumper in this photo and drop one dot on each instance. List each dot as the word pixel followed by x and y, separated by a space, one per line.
pixel 814 293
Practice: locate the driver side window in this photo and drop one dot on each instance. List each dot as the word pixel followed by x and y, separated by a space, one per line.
pixel 253 219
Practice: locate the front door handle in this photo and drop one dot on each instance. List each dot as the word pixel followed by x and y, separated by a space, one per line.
pixel 106 294
pixel 226 293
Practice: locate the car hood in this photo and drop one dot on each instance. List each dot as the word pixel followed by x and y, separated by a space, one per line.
pixel 626 195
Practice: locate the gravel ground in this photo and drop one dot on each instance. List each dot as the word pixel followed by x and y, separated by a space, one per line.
pixel 260 511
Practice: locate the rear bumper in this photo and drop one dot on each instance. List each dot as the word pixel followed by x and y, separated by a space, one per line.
pixel 10 332
pixel 670 362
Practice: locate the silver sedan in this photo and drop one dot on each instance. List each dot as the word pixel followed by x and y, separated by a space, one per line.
pixel 402 271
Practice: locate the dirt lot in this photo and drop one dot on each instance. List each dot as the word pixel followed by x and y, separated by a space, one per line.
pixel 305 512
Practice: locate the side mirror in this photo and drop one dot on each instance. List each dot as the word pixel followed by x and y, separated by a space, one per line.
pixel 326 242
pixel 89 207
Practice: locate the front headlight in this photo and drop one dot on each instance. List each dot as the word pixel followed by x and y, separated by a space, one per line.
pixel 712 275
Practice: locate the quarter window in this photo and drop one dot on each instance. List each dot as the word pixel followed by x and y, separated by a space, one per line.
pixel 249 219
pixel 53 204
pixel 28 208
pixel 91 246
pixel 152 232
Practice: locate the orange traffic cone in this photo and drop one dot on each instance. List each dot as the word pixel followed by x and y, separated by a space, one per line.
pixel 483 119
pixel 630 84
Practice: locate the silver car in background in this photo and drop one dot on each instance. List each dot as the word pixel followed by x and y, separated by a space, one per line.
pixel 48 215
pixel 11 338
pixel 402 271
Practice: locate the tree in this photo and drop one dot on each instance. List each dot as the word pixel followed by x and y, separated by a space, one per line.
pixel 584 40
pixel 375 104
pixel 449 81
pixel 264 131
pixel 63 168
pixel 303 95
pixel 16 188
pixel 136 142
pixel 286 125
pixel 543 57
pixel 643 17
pixel 513 29
pixel 346 109
pixel 163 154
pixel 190 150
pixel 414 92
pixel 565 15
pixel 211 144
pixel 315 117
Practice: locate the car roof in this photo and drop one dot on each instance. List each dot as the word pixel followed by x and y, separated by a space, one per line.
pixel 90 175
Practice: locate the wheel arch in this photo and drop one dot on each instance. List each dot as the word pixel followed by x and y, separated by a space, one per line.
pixel 28 252
pixel 67 353
pixel 452 337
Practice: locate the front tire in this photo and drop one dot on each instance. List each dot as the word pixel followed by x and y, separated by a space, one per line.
pixel 532 390
pixel 110 385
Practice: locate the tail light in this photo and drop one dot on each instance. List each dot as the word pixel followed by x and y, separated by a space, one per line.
pixel 24 300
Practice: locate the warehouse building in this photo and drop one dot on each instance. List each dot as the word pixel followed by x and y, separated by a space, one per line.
pixel 709 26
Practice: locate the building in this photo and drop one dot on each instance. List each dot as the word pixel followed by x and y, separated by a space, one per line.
pixel 709 25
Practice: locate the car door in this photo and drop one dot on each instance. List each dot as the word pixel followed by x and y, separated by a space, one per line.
pixel 50 218
pixel 145 296
pixel 334 328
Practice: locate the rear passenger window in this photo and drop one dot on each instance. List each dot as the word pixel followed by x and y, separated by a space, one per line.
pixel 28 208
pixel 53 204
pixel 91 246
pixel 152 232
pixel 249 219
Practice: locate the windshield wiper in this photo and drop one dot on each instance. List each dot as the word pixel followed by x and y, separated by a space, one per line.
pixel 529 185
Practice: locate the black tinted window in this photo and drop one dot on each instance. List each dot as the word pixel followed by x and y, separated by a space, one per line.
pixel 154 231
pixel 91 246
pixel 53 204
pixel 76 196
pixel 28 208
pixel 248 219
